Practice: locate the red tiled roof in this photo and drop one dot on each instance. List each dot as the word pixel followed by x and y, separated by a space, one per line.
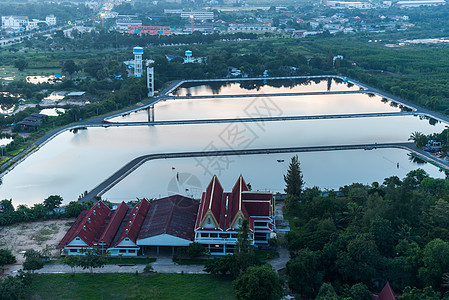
pixel 174 215
pixel 240 199
pixel 88 226
pixel 114 224
pixel 212 199
pixel 257 208
pixel 69 236
pixel 134 221
pixel 386 293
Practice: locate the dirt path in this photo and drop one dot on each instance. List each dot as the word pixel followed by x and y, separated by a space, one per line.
pixel 34 235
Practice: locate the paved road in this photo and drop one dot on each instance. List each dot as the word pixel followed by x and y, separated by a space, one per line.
pixel 127 169
pixel 269 95
pixel 161 265
pixel 261 119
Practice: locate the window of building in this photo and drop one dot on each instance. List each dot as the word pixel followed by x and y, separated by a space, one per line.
pixel 260 236
pixel 73 250
pixel 122 251
pixel 131 251
pixel 213 235
pixel 224 235
pixel 77 239
pixel 204 234
pixel 260 224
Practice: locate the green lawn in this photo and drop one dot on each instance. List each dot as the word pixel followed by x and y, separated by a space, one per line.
pixel 129 286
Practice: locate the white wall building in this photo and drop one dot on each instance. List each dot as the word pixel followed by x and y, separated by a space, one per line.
pixel 344 4
pixel 198 15
pixel 16 23
pixel 407 4
pixel 250 27
pixel 50 20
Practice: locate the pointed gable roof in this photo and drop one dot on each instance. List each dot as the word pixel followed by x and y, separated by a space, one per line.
pixel 134 222
pixel 386 293
pixel 88 226
pixel 236 209
pixel 211 205
pixel 111 229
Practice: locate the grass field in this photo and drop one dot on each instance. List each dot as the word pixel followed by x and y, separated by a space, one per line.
pixel 129 286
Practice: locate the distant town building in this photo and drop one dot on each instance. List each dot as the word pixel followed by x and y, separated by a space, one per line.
pixel 123 21
pixel 50 20
pixel 407 4
pixel 15 23
pixel 197 15
pixel 344 4
pixel 149 30
pixel 250 27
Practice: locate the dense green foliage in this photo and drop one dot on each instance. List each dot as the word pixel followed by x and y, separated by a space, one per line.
pixel 6 257
pixel 396 232
pixel 39 211
pixel 258 282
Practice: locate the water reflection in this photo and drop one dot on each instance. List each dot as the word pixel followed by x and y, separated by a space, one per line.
pixel 272 86
pixel 330 170
pixel 74 162
pixel 245 107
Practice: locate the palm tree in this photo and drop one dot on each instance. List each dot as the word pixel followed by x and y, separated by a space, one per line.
pixel 415 136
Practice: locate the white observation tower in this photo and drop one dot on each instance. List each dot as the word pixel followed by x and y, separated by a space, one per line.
pixel 138 52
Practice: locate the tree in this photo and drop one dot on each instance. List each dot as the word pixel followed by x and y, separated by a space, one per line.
pixel 20 64
pixel 360 291
pixel 6 257
pixel 92 66
pixel 72 261
pixel 52 202
pixel 358 262
pixel 6 206
pixel 435 263
pixel 383 235
pixel 418 138
pixel 293 179
pixel 225 265
pixel 243 251
pixel 33 261
pixel 417 294
pixel 258 282
pixel 69 67
pixel 327 292
pixel 92 259
pixel 304 274
pixel 195 249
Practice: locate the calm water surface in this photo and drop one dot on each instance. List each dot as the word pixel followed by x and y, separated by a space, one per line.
pixel 74 162
pixel 272 86
pixel 225 108
pixel 330 170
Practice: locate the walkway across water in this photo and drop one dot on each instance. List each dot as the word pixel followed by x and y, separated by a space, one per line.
pixel 261 119
pixel 137 162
